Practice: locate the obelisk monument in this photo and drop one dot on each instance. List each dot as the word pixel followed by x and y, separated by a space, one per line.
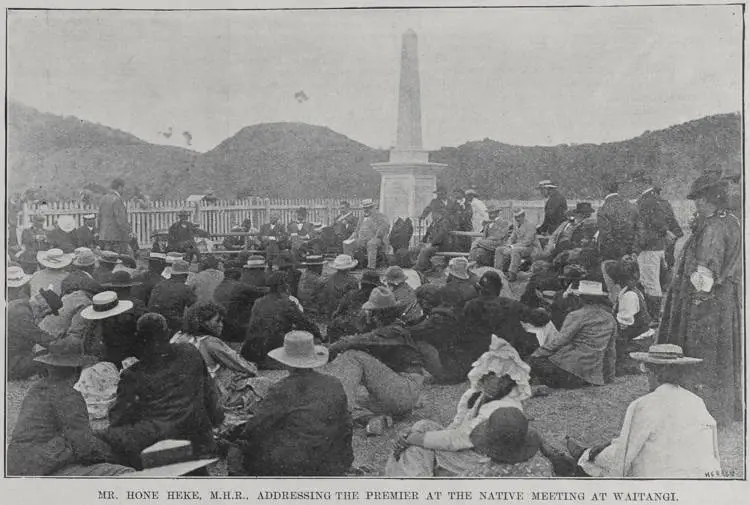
pixel 408 179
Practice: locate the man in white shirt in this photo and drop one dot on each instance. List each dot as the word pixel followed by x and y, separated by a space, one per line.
pixel 479 213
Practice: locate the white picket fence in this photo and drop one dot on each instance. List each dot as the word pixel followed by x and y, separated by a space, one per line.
pixel 219 216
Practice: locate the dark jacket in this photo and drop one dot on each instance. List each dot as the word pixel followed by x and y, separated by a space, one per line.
pixel 616 220
pixel 435 207
pixel 301 428
pixel 113 219
pixel 501 316
pixel 23 333
pixel 348 318
pixel 118 333
pixel 53 431
pixel 238 299
pixel 61 240
pixel 272 317
pixel 438 234
pixel 333 289
pixel 170 298
pixel 401 233
pixel 79 280
pixel 184 232
pixel 83 237
pixel 655 218
pixel 442 329
pixel 148 280
pixel 555 212
pixel 390 344
pixel 169 395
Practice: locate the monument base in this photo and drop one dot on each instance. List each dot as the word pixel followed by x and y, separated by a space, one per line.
pixel 406 187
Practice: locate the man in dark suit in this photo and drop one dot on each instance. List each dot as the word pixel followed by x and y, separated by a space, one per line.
pixel 182 236
pixel 87 235
pixel 273 237
pixel 616 220
pixel 555 208
pixel 438 205
pixel 114 229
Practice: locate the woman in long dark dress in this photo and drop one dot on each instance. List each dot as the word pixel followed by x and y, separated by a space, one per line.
pixel 702 311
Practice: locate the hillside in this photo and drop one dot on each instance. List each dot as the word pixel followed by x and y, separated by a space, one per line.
pixel 294 160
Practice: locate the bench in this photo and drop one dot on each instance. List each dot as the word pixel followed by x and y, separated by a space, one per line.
pixel 452 254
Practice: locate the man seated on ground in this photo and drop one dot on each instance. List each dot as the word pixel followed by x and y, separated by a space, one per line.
pixel 303 426
pixel 583 353
pixel 171 297
pixel 108 260
pixel 311 283
pixel 52 435
pixel 348 318
pixel 633 319
pixel 205 282
pixel 168 393
pixel 238 298
pixel 489 435
pixel 438 238
pixel 520 245
pixel 182 236
pixel 491 314
pixel 495 232
pixel 24 315
pixel 111 335
pixel 54 269
pixel 562 304
pixel 395 279
pixel 666 434
pixel 459 279
pixel 439 336
pixel 384 360
pixel 541 287
pixel 335 286
pixel 273 316
pixel 370 234
pixel 157 262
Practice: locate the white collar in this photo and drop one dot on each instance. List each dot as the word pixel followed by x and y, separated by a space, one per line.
pixel 611 194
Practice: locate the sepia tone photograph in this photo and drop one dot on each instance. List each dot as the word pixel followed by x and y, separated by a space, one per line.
pixel 498 243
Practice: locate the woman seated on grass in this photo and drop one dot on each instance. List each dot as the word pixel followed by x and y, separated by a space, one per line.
pixel 53 435
pixel 234 376
pixel 666 434
pixel 489 435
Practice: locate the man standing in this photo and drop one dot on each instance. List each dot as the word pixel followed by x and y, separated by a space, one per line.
pixel 438 205
pixel 114 229
pixel 520 244
pixel 656 227
pixel 555 208
pixel 87 235
pixel 370 234
pixel 479 212
pixel 616 221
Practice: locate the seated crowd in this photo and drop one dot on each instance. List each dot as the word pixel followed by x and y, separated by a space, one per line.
pixel 162 369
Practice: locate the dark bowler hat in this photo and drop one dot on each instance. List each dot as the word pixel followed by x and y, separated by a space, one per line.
pixel 707 183
pixel 583 209
pixel 505 437
pixel 120 279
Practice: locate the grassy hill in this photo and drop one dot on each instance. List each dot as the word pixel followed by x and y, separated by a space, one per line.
pixel 293 160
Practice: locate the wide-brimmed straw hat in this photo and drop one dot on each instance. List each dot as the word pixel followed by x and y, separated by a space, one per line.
pixel 395 275
pixel 367 203
pixel 110 257
pixel 157 257
pixel 299 351
pixel 120 279
pixel 546 183
pixel 505 437
pixel 590 288
pixel 169 458
pixel 314 259
pixel 173 256
pixel 54 258
pixel 258 262
pixel 664 354
pixel 471 191
pixel 458 268
pixel 66 223
pixel 382 298
pixel 343 262
pixel 65 354
pixel 159 233
pixel 180 267
pixel 16 277
pixel 105 304
pixel 84 257
pixel 518 211
pixel 89 216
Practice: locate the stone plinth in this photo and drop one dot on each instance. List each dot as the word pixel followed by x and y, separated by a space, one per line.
pixel 406 188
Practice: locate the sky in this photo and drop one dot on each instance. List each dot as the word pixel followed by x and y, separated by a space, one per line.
pixel 520 76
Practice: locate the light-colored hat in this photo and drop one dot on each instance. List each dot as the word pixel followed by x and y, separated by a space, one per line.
pixel 16 277
pixel 589 288
pixel 169 458
pixel 172 256
pixel 664 354
pixel 84 257
pixel 395 275
pixel 381 298
pixel 343 262
pixel 38 218
pixel 367 203
pixel 105 304
pixel 184 212
pixel 547 184
pixel 458 267
pixel 157 257
pixel 66 223
pixel 471 191
pixel 54 258
pixel 110 257
pixel 299 351
pixel 89 216
pixel 255 262
pixel 518 211
pixel 159 233
pixel 180 267
pixel 314 259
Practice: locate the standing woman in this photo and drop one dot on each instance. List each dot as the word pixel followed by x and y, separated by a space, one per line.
pixel 702 312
